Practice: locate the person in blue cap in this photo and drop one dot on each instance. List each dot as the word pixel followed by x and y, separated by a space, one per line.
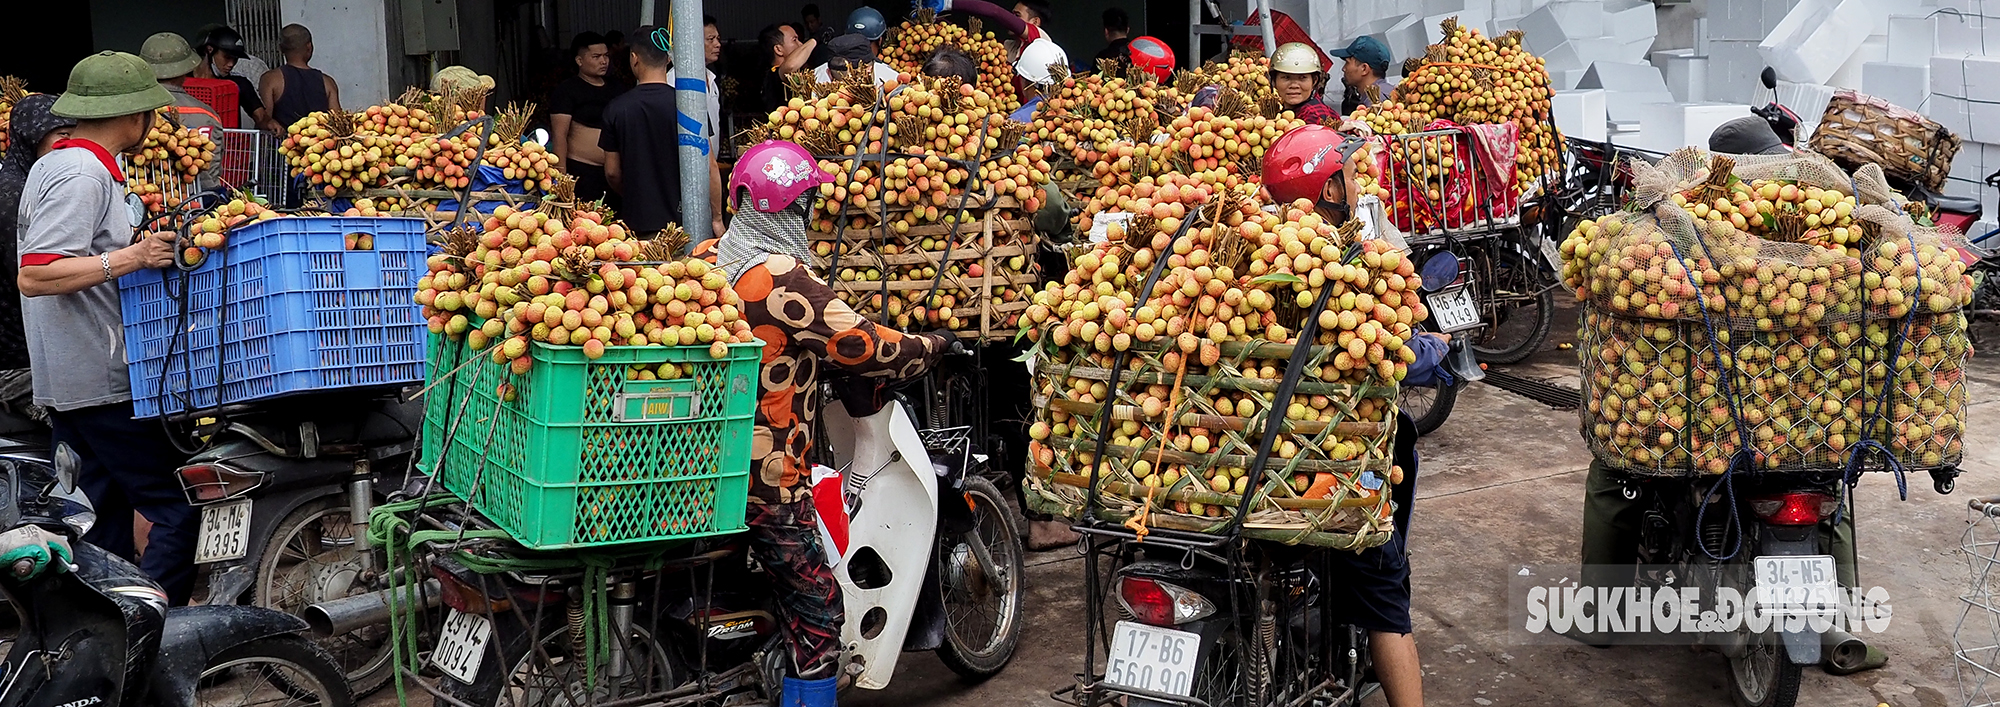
pixel 1364 73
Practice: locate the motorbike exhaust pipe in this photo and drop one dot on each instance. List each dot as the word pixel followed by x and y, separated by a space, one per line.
pixel 341 616
pixel 1842 650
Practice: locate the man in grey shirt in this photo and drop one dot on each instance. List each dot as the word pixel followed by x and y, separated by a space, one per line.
pixel 75 241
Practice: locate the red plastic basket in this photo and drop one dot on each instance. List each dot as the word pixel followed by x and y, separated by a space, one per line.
pixel 219 94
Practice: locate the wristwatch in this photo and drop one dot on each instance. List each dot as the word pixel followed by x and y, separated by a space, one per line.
pixel 104 259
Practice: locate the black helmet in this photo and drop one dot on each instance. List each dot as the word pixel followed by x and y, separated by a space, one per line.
pixel 223 39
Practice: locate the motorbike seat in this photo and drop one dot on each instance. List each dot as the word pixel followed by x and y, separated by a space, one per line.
pixel 1955 204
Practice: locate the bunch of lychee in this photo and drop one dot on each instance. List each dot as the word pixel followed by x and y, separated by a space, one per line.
pixel 572 280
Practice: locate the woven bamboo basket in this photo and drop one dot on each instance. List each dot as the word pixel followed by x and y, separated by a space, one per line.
pixel 996 238
pixel 1861 129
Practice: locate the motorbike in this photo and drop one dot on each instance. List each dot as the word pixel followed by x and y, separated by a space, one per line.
pixel 1769 531
pixel 697 622
pixel 94 630
pixel 1447 293
pixel 284 491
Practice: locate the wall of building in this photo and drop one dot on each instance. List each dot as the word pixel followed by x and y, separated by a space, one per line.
pixel 350 44
pixel 123 25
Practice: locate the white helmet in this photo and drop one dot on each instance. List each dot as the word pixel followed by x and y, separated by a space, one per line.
pixel 1036 58
pixel 1296 58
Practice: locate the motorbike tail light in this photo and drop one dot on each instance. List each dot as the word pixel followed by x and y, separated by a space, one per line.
pixel 214 481
pixel 457 594
pixel 1158 603
pixel 1795 508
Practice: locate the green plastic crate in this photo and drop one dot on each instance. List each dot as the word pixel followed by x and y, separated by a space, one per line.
pixel 587 455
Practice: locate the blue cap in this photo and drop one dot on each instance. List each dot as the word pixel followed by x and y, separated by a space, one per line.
pixel 867 22
pixel 1367 50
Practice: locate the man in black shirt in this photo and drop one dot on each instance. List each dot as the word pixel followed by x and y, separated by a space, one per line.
pixel 220 48
pixel 1117 31
pixel 787 54
pixel 641 142
pixel 576 115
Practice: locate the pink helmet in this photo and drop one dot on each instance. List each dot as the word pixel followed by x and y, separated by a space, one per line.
pixel 776 172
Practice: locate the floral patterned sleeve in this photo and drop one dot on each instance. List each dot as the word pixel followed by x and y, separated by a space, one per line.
pixel 791 308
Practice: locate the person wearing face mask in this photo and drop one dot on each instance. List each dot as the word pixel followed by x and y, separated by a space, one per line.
pixel 808 333
pixel 33 133
pixel 221 48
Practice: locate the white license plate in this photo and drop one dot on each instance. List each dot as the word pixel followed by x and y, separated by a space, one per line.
pixel 1806 584
pixel 1152 658
pixel 225 532
pixel 1452 309
pixel 462 645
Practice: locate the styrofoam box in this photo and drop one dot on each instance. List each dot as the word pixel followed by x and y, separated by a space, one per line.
pixel 1817 37
pixel 1579 19
pixel 1983 8
pixel 1563 57
pixel 1566 80
pixel 1623 106
pixel 1982 79
pixel 1406 38
pixel 1736 20
pixel 1964 34
pixel 1871 50
pixel 1950 112
pixel 1732 71
pixel 1593 51
pixel 1631 25
pixel 1948 75
pixel 1911 39
pixel 1620 76
pixel 1634 52
pixel 1985 120
pixel 1671 126
pixel 1901 84
pixel 1685 72
pixel 1580 114
pixel 1541 31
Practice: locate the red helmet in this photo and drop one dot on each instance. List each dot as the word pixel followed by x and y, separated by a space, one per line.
pixel 1299 163
pixel 1153 56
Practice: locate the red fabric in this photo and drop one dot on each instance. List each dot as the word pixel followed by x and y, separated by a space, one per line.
pixel 1497 145
pixel 1284 31
pixel 33 259
pixel 103 155
pixel 1317 112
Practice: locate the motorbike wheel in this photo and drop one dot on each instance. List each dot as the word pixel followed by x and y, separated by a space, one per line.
pixel 982 620
pixel 1765 676
pixel 1428 406
pixel 519 676
pixel 285 669
pixel 1519 307
pixel 312 558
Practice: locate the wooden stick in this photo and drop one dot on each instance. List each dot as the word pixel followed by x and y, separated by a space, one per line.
pixel 1121 413
pixel 1175 456
pixel 1209 498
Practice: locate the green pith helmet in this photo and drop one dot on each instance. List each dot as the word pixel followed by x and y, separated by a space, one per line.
pixel 169 56
pixel 108 85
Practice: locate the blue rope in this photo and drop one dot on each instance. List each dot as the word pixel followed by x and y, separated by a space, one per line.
pixel 1856 458
pixel 1725 377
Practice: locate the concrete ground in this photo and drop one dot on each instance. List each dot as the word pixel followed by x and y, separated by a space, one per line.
pixel 1500 488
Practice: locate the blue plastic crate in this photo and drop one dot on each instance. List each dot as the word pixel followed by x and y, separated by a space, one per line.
pixel 285 308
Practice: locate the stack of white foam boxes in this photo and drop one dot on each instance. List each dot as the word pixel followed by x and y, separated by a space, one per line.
pixel 1595 51
pixel 1963 85
pixel 1727 40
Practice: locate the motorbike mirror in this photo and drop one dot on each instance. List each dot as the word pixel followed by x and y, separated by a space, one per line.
pixel 68 465
pixel 1439 271
pixel 1769 77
